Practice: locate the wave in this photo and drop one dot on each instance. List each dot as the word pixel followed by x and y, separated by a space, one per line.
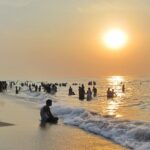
pixel 131 134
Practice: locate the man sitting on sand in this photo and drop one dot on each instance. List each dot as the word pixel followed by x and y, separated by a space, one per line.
pixel 46 115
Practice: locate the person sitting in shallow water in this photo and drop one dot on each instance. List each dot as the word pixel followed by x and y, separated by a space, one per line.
pixel 46 115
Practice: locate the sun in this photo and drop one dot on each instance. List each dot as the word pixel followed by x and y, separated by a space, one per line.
pixel 115 39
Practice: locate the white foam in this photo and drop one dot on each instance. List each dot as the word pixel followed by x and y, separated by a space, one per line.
pixel 131 134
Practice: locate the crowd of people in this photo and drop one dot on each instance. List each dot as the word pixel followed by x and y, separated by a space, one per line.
pixel 82 94
pixel 93 93
pixel 3 86
pixel 52 88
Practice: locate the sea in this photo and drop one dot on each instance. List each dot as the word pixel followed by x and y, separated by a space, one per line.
pixel 124 119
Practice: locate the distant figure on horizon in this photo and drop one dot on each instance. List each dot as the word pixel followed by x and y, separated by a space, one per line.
pixel 46 115
pixel 89 94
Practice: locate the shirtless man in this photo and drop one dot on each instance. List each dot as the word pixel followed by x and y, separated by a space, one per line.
pixel 46 115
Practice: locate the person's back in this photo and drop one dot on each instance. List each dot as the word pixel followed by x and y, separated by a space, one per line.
pixel 46 115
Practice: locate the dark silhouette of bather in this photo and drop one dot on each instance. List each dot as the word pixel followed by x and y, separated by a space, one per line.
pixel 111 93
pixel 123 88
pixel 46 115
pixel 71 91
pixel 81 92
pixel 94 91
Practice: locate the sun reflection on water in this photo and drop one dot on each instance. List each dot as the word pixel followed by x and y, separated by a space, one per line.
pixel 112 108
pixel 115 82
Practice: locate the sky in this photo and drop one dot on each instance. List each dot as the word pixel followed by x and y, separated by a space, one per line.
pixel 63 38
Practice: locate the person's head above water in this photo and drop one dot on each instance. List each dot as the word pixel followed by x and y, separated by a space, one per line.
pixel 49 102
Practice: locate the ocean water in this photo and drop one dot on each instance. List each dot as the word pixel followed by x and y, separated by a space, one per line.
pixel 133 104
pixel 124 119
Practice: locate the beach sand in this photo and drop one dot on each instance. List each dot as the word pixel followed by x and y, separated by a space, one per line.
pixel 20 130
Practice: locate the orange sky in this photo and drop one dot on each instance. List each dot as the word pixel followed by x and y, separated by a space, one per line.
pixel 48 39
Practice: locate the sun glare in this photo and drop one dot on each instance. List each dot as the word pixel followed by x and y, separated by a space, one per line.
pixel 115 39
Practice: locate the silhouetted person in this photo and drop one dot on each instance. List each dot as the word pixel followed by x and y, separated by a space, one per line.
pixel 81 92
pixel 123 88
pixel 46 115
pixel 94 91
pixel 90 83
pixel 109 93
pixel 30 89
pixel 17 90
pixel 71 91
pixel 40 88
pixel 89 94
pixel 36 88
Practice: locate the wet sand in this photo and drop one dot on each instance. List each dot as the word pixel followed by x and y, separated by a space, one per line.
pixel 22 131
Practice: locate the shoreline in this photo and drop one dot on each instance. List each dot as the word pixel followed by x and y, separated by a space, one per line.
pixel 26 133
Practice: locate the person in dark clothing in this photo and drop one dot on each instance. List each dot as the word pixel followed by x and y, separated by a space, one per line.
pixel 123 88
pixel 71 91
pixel 40 88
pixel 82 92
pixel 94 91
pixel 17 91
pixel 46 115
pixel 109 93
